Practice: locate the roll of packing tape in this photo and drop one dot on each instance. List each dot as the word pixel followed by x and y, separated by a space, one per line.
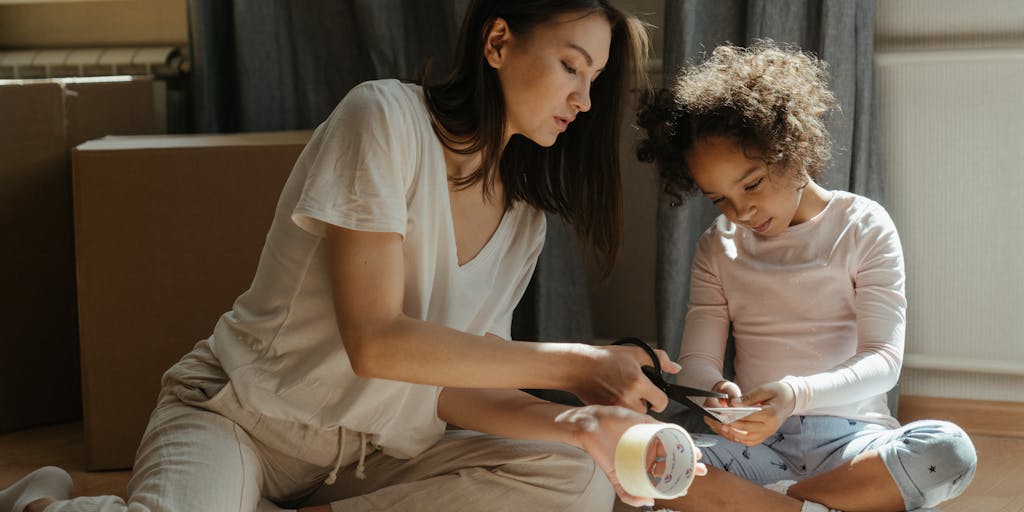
pixel 634 457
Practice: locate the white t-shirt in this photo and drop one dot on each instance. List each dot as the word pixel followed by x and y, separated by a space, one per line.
pixel 820 306
pixel 374 165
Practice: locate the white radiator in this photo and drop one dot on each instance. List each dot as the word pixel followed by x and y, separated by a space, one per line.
pixel 158 61
pixel 952 127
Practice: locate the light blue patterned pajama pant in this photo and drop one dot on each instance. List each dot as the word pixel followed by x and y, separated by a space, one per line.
pixel 931 461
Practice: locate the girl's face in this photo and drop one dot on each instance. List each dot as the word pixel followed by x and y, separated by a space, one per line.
pixel 546 75
pixel 744 190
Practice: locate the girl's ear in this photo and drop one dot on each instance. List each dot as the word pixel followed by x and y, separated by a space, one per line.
pixel 496 43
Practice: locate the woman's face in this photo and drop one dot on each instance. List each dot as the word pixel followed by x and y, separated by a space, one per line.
pixel 742 188
pixel 546 75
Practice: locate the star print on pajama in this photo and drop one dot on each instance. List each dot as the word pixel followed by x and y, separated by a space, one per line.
pixel 930 461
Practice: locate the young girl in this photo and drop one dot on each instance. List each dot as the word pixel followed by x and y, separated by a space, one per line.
pixel 811 282
pixel 382 304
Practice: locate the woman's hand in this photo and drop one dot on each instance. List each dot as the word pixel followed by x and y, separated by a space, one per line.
pixel 597 430
pixel 776 400
pixel 613 376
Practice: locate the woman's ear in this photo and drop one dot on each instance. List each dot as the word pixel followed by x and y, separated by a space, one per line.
pixel 496 43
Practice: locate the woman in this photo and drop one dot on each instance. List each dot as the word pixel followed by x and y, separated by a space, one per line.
pixel 379 313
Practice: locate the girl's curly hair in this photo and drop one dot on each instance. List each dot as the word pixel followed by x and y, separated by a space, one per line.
pixel 772 98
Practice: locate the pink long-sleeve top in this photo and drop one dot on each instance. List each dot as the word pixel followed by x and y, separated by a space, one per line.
pixel 820 307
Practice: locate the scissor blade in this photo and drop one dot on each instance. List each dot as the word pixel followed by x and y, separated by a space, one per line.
pixel 673 390
pixel 699 408
pixel 689 391
pixel 678 394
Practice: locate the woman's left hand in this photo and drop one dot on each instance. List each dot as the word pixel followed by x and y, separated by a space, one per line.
pixel 776 400
pixel 598 429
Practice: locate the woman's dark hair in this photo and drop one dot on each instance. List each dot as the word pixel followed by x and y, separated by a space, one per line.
pixel 771 98
pixel 578 176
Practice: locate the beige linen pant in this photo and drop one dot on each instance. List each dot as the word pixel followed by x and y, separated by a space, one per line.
pixel 204 452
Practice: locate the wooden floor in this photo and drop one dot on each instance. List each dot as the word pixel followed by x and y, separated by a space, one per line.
pixel 997 487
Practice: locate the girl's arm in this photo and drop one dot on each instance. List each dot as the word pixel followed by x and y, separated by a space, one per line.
pixel 881 315
pixel 702 350
pixel 367 280
pixel 881 307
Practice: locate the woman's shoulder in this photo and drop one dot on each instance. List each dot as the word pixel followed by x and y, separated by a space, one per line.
pixel 388 89
pixel 386 96
pixel 530 221
pixel 387 113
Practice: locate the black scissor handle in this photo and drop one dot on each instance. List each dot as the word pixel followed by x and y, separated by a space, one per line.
pixel 652 373
pixel 656 376
pixel 680 394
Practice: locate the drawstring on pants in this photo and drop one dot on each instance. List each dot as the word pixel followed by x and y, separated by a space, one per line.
pixel 333 475
pixel 360 468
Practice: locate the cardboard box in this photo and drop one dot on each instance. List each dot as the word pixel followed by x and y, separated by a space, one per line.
pixel 168 233
pixel 40 120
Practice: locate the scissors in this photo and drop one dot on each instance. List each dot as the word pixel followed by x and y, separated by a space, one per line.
pixel 675 392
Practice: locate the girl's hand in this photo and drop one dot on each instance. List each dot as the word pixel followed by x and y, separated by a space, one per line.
pixel 723 386
pixel 776 400
pixel 728 387
pixel 597 430
pixel 613 376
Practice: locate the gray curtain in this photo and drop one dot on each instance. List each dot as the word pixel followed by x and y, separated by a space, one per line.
pixel 555 306
pixel 264 65
pixel 839 32
pixel 283 65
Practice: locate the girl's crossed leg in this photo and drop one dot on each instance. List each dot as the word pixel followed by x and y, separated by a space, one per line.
pixel 844 464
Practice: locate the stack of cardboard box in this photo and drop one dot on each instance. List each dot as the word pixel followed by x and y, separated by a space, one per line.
pixel 168 233
pixel 120 254
pixel 40 120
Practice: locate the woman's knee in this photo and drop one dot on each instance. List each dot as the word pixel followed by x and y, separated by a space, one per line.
pixel 587 489
pixel 597 492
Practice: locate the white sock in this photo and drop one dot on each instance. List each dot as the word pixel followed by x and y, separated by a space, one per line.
pixel 266 505
pixel 810 506
pixel 781 486
pixel 47 482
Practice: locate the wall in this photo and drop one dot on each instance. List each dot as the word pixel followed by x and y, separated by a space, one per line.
pixel 952 125
pixel 95 23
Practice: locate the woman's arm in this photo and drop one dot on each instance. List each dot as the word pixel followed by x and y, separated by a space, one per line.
pixel 367 279
pixel 515 414
pixel 508 413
